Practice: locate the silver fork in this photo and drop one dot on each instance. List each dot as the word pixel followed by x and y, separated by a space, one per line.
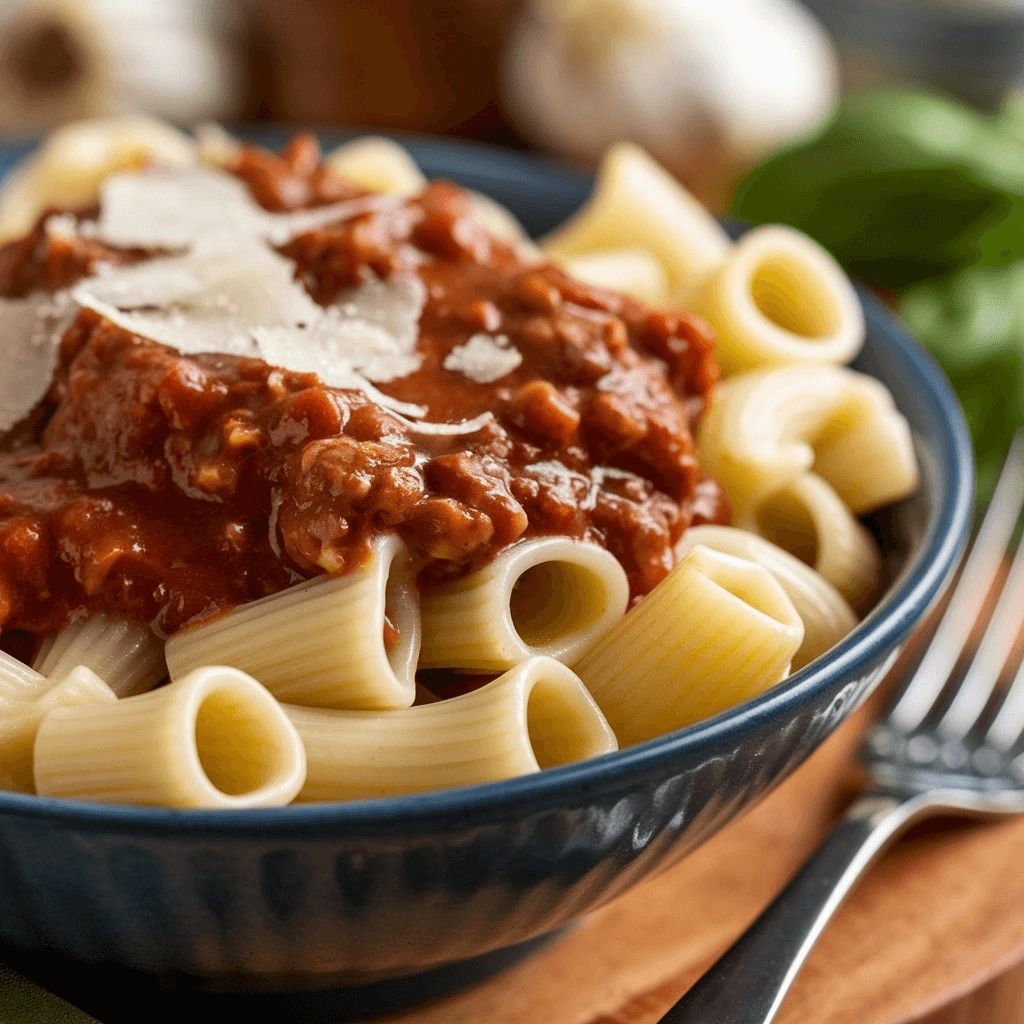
pixel 935 752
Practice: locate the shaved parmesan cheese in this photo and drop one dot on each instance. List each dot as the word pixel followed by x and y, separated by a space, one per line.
pixel 372 329
pixel 485 358
pixel 30 332
pixel 173 209
pixel 246 282
pixel 238 297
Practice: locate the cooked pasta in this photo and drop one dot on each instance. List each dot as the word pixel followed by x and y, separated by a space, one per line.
pixel 379 449
pixel 19 723
pixel 322 642
pixel 633 271
pixel 378 164
pixel 638 204
pixel 718 630
pixel 128 654
pixel 18 682
pixel 810 520
pixel 824 612
pixel 537 715
pixel 214 738
pixel 74 161
pixel 551 596
pixel 765 428
pixel 779 298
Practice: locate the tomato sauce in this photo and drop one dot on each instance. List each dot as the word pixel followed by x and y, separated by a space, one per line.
pixel 166 488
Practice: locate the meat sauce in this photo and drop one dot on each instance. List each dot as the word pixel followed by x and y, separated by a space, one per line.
pixel 165 489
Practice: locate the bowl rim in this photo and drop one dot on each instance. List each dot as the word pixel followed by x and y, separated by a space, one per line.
pixel 917 587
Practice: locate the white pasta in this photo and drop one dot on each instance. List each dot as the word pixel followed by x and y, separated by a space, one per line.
pixel 779 298
pixel 378 164
pixel 765 428
pixel 321 642
pixel 18 682
pixel 810 520
pixel 128 655
pixel 73 162
pixel 633 271
pixel 716 631
pixel 551 596
pixel 824 612
pixel 215 738
pixel 537 715
pixel 638 205
pixel 19 723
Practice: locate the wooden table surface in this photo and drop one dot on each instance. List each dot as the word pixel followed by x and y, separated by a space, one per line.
pixel 933 933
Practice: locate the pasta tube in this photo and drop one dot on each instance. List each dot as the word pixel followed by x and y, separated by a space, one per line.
pixel 716 631
pixel 129 655
pixel 765 428
pixel 379 165
pixel 537 715
pixel 779 298
pixel 18 682
pixel 638 204
pixel 825 613
pixel 215 738
pixel 551 596
pixel 19 723
pixel 633 271
pixel 73 162
pixel 809 519
pixel 323 641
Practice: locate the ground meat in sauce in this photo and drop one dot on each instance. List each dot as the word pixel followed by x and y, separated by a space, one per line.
pixel 164 488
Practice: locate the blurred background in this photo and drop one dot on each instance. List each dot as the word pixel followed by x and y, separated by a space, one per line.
pixel 890 130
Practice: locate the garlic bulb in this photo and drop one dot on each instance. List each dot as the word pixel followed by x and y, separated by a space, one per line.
pixel 692 81
pixel 62 60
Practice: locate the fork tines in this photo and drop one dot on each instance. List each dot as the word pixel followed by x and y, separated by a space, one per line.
pixel 964 711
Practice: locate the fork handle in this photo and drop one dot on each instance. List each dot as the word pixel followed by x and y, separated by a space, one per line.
pixel 749 982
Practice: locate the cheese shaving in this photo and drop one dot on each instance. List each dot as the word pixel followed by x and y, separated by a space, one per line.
pixel 485 358
pixel 242 299
pixel 30 332
pixel 372 330
pixel 177 208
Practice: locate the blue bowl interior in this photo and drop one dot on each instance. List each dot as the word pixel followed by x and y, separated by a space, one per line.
pixel 936 522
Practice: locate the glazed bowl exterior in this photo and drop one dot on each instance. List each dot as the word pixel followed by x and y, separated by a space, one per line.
pixel 373 890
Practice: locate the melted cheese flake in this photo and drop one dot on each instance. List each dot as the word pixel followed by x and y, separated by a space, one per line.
pixel 485 358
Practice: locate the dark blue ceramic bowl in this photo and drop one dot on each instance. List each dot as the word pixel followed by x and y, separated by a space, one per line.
pixel 364 893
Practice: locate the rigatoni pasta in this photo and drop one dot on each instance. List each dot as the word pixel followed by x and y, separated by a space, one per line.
pixel 369 498
pixel 809 519
pixel 537 715
pixel 129 654
pixel 765 429
pixel 824 612
pixel 378 164
pixel 349 641
pixel 637 204
pixel 779 298
pixel 214 738
pixel 551 596
pixel 19 725
pixel 717 631
pixel 18 682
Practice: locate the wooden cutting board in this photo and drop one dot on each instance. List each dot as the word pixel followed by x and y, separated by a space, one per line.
pixel 939 916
